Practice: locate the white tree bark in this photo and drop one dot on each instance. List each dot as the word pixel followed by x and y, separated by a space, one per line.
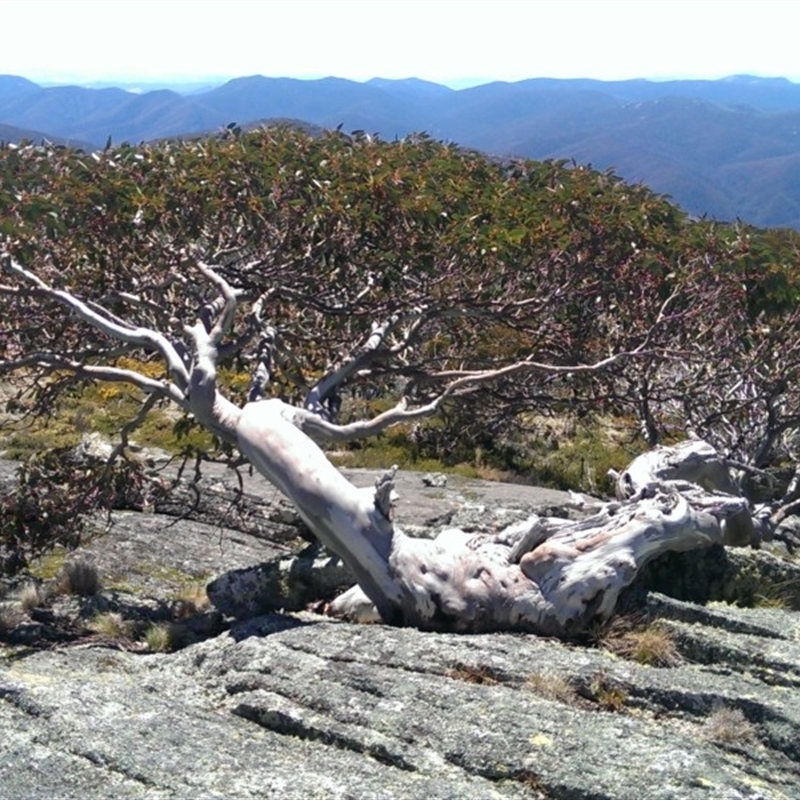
pixel 698 463
pixel 546 576
pixel 693 460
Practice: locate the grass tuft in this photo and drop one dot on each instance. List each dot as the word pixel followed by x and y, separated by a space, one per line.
pixel 636 640
pixel 604 691
pixel 728 726
pixel 10 618
pixel 112 625
pixel 31 596
pixel 552 687
pixel 79 576
pixel 191 600
pixel 784 595
pixel 160 638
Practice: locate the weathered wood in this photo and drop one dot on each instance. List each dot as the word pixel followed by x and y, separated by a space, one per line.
pixel 694 460
pixel 547 576
pixel 697 462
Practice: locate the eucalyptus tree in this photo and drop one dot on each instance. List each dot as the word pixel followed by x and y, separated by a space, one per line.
pixel 336 265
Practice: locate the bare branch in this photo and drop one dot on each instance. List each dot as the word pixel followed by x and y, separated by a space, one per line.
pixel 221 317
pixel 212 409
pixel 102 321
pixel 53 361
pixel 130 427
pixel 462 382
pixel 319 396
pixel 262 374
pixel 385 495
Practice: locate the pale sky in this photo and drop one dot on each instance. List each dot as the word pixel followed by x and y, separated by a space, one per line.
pixel 458 42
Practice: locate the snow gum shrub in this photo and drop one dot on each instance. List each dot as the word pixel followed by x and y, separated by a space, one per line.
pixel 548 261
pixel 51 504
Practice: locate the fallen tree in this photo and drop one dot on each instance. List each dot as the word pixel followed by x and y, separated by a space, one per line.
pixel 411 271
pixel 546 575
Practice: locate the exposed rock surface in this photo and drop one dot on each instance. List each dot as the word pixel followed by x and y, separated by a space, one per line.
pixel 294 705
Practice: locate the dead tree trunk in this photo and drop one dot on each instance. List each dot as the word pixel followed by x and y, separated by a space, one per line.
pixel 546 575
pixel 698 463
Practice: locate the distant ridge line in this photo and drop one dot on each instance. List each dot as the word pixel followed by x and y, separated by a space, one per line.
pixel 728 148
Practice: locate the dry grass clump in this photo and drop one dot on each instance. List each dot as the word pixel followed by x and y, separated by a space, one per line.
pixel 160 638
pixel 10 618
pixel 190 601
pixel 552 687
pixel 784 595
pixel 728 726
pixel 604 691
pixel 112 625
pixel 480 674
pixel 79 576
pixel 607 695
pixel 31 596
pixel 636 640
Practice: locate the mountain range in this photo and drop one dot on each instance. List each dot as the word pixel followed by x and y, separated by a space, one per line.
pixel 727 149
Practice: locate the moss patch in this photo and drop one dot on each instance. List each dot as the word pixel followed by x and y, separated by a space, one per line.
pixel 49 566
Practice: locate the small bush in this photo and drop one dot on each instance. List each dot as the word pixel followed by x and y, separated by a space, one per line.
pixel 56 493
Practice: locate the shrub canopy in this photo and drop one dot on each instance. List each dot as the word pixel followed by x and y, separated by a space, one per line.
pixel 488 261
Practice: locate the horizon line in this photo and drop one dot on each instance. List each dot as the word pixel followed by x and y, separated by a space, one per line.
pixel 455 84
